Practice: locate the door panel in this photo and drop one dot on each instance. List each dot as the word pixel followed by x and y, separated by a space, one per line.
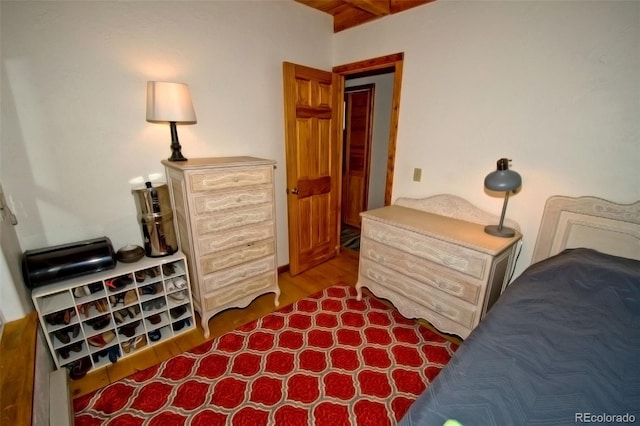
pixel 357 158
pixel 313 126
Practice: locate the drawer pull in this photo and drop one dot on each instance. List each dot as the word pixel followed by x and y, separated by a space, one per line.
pixel 449 287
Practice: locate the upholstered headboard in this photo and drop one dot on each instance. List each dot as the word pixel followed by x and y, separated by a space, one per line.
pixel 588 222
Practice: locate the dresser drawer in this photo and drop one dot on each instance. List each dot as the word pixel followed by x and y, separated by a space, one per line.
pixel 462 259
pixel 431 299
pixel 255 285
pixel 227 220
pixel 236 256
pixel 422 270
pixel 235 237
pixel 215 202
pixel 228 179
pixel 239 273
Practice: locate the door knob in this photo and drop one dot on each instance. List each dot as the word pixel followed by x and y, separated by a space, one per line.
pixel 293 191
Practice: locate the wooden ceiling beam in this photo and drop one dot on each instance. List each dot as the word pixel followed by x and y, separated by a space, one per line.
pixel 400 5
pixel 350 18
pixel 375 7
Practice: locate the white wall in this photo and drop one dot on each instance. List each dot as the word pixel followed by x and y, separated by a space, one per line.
pixel 73 101
pixel 553 85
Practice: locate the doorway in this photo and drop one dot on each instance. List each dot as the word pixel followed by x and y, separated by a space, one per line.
pixel 369 168
pixel 314 111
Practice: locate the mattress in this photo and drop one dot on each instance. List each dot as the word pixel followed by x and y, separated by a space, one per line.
pixel 561 346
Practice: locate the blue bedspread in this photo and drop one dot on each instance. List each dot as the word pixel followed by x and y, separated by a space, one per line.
pixel 560 347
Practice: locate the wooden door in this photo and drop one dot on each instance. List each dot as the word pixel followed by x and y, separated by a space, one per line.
pixel 357 152
pixel 313 138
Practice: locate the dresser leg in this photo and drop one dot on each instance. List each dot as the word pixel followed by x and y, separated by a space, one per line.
pixel 204 322
pixel 358 291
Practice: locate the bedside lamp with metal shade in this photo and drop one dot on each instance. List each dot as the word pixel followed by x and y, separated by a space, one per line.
pixel 502 180
pixel 170 103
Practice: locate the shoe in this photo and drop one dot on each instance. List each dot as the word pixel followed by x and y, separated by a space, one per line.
pixel 101 305
pixel 84 309
pixel 78 369
pixel 130 297
pixel 147 306
pixel 75 330
pixel 94 287
pixel 64 352
pixel 148 289
pixel 140 276
pixel 67 315
pixel 79 292
pixel 138 342
pixel 114 284
pixel 154 319
pixel 117 316
pixel 62 336
pixel 114 353
pixel 178 311
pixel 180 282
pixel 129 329
pixel 97 355
pixel 133 311
pixel 179 325
pixel 54 318
pixel 170 285
pixel 178 295
pixel 159 303
pixel 100 322
pixel 168 269
pixel 153 272
pixel 100 340
pixel 155 335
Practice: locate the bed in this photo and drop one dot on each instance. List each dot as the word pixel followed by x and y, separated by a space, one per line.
pixel 562 344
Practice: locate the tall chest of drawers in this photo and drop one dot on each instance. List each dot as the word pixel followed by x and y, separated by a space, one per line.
pixel 225 218
pixel 445 270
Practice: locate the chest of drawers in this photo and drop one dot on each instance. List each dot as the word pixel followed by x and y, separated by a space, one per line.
pixel 225 219
pixel 445 270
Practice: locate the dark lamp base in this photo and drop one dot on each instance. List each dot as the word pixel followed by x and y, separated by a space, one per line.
pixel 176 156
pixel 495 230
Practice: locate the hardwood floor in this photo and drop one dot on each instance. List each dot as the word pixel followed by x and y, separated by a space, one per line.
pixel 343 268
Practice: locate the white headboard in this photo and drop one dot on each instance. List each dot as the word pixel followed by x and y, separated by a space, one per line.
pixel 588 222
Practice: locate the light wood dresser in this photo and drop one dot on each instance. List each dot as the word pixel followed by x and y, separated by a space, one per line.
pixel 225 220
pixel 443 269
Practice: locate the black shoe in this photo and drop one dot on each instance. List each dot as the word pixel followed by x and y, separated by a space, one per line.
pixel 79 368
pixel 178 312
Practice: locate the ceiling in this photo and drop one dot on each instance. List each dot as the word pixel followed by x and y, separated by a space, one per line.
pixel 349 13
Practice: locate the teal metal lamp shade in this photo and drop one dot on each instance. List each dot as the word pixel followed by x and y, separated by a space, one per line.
pixel 502 180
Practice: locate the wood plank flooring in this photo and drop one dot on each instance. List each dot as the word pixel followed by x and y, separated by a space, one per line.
pixel 343 268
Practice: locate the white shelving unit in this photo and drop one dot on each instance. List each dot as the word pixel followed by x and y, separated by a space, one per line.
pixel 120 311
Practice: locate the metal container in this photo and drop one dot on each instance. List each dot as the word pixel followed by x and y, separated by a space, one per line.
pixel 52 264
pixel 156 219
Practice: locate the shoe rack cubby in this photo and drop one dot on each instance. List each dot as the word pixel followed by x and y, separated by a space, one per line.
pixel 94 320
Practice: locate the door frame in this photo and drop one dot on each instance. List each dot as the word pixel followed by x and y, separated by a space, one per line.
pixel 394 63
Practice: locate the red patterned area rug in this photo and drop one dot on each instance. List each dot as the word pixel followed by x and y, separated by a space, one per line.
pixel 328 359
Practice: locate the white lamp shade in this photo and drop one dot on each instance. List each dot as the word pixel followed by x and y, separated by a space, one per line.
pixel 169 102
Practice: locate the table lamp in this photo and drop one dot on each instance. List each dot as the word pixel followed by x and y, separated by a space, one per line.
pixel 170 103
pixel 502 180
